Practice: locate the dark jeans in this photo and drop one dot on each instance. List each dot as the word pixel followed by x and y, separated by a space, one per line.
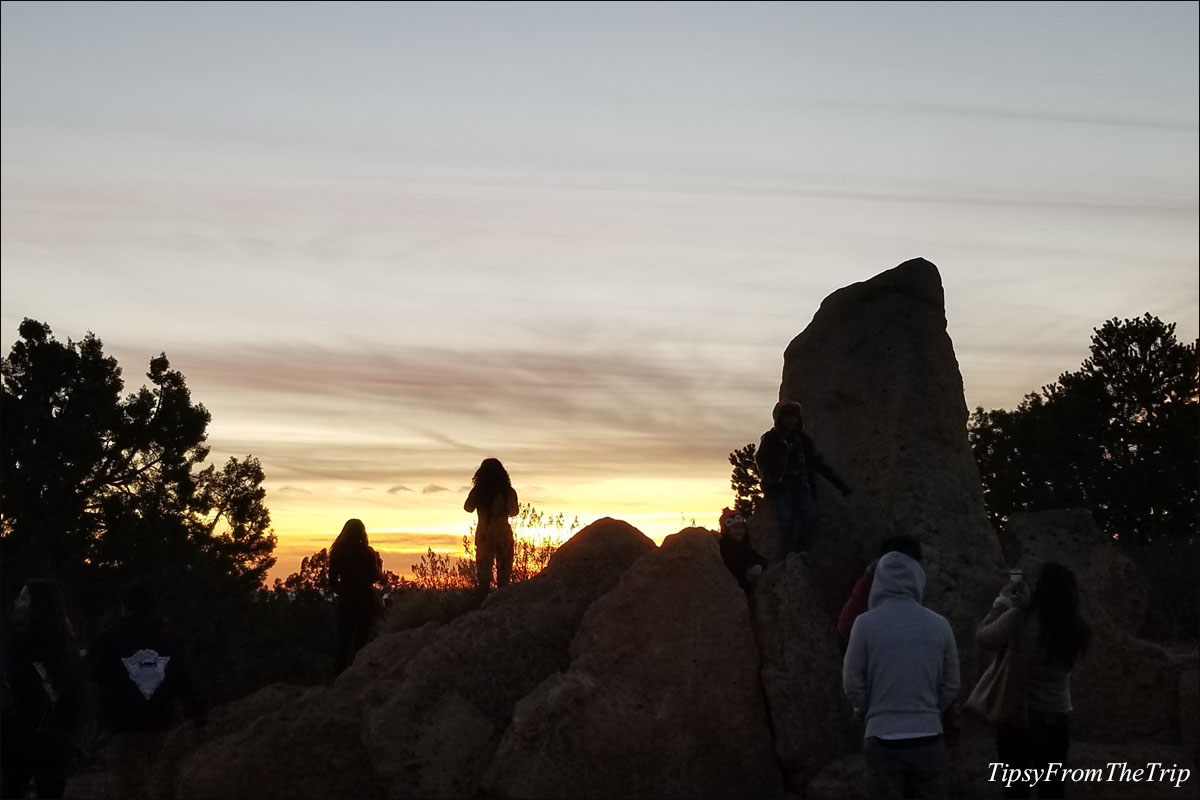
pixel 40 757
pixel 796 513
pixel 355 618
pixel 907 768
pixel 1045 741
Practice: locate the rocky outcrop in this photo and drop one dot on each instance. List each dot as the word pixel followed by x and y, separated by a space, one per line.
pixel 662 698
pixel 419 714
pixel 310 747
pixel 801 672
pixel 435 735
pixel 282 742
pixel 883 400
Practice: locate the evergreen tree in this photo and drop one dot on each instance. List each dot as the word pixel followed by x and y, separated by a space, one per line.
pixel 1119 436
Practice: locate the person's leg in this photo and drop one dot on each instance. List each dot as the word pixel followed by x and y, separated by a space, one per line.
pixel 50 767
pixel 785 517
pixel 17 769
pixel 929 771
pixel 363 621
pixel 504 558
pixel 485 554
pixel 345 632
pixel 806 521
pixel 885 774
pixel 1049 742
pixel 1012 747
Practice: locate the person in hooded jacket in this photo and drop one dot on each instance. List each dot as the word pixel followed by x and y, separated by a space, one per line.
pixel 789 463
pixel 737 552
pixel 900 673
pixel 856 604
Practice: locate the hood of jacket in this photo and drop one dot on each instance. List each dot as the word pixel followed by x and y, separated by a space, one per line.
pixel 786 405
pixel 897 575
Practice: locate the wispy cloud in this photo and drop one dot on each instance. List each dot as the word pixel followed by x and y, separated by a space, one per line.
pixel 425 415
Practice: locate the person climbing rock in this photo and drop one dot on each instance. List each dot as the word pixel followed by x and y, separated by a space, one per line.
pixel 789 463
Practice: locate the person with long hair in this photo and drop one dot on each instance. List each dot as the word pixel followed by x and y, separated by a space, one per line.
pixel 43 689
pixel 354 568
pixel 1047 631
pixel 494 498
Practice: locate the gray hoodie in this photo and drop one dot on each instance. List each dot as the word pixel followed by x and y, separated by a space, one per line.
pixel 901 665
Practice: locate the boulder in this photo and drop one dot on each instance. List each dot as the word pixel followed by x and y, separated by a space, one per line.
pixel 435 734
pixel 309 747
pixel 380 665
pixel 662 697
pixel 419 712
pixel 883 401
pixel 801 672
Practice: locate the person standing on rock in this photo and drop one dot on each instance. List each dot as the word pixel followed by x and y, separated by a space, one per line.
pixel 354 568
pixel 1049 635
pixel 739 555
pixel 789 463
pixel 900 673
pixel 494 498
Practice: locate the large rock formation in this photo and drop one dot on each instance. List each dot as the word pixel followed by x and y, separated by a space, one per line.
pixel 435 736
pixel 420 712
pixel 662 698
pixel 801 673
pixel 883 400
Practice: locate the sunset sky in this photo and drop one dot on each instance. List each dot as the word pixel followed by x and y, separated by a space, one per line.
pixel 384 241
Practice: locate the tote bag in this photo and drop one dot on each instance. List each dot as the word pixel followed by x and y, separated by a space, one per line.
pixel 999 696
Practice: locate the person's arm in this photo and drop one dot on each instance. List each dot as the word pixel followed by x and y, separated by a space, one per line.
pixel 469 505
pixel 856 604
pixel 757 558
pixel 951 680
pixel 1002 624
pixel 767 458
pixel 822 468
pixel 514 506
pixel 854 670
